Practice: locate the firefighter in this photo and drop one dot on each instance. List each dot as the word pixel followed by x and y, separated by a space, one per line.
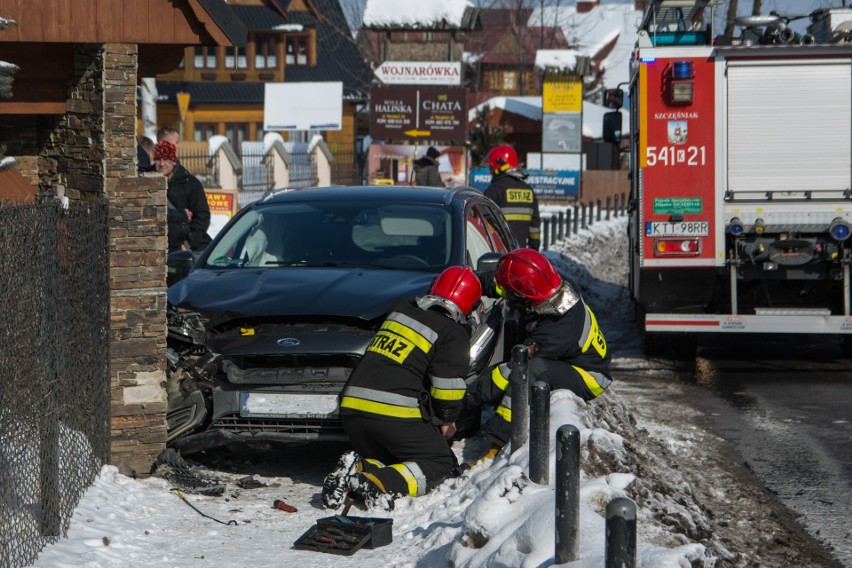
pixel 402 399
pixel 567 349
pixel 514 196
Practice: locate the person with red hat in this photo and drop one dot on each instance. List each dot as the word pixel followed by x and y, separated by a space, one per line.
pixel 189 213
pixel 567 349
pixel 514 195
pixel 401 401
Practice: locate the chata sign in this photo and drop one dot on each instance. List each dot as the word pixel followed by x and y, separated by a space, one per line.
pixel 419 73
pixel 421 114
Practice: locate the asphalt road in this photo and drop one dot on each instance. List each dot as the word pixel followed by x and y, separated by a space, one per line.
pixel 785 404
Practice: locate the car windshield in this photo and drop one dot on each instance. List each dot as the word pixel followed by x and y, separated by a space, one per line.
pixel 393 236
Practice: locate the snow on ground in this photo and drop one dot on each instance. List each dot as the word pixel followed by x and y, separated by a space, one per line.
pixel 491 516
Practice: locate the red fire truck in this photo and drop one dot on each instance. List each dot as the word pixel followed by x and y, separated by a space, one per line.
pixel 741 178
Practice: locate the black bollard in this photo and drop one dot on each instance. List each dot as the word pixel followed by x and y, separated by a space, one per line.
pixel 545 229
pixel 520 397
pixel 559 231
pixel 554 223
pixel 567 223
pixel 576 218
pixel 608 206
pixel 621 533
pixel 583 213
pixel 567 494
pixel 599 210
pixel 540 433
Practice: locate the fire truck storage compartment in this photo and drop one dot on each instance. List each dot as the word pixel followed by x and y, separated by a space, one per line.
pixel 791 113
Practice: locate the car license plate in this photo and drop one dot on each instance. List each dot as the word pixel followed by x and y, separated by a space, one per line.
pixel 679 229
pixel 287 405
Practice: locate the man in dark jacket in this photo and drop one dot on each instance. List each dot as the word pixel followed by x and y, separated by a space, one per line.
pixel 426 169
pixel 189 213
pixel 400 404
pixel 514 196
pixel 566 347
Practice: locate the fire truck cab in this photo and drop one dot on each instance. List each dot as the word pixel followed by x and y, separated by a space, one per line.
pixel 741 178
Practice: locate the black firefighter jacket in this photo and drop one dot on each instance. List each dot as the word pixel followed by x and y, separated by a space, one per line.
pixel 414 369
pixel 520 208
pixel 186 192
pixel 565 329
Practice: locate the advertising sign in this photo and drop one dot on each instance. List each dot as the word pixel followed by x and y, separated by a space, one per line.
pixel 223 206
pixel 419 72
pixel 303 106
pixel 414 113
pixel 562 94
pixel 545 183
pixel 562 132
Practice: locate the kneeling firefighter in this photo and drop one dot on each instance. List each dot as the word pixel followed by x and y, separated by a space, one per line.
pixel 567 349
pixel 401 401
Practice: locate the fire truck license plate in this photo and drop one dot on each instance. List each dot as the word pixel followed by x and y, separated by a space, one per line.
pixel 681 229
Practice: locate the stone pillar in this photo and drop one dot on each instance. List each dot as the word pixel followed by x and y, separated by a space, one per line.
pixel 137 250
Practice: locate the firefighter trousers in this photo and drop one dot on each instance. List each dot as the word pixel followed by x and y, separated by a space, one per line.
pixel 405 457
pixel 493 387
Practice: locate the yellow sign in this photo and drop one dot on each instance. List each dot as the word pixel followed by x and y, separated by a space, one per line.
pixel 183 104
pixel 562 94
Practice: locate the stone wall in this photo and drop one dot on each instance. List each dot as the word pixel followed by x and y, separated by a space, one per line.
pixel 137 274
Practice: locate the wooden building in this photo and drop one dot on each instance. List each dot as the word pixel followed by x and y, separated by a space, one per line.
pixel 288 41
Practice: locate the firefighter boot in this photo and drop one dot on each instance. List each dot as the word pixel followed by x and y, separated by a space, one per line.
pixel 336 484
pixel 366 488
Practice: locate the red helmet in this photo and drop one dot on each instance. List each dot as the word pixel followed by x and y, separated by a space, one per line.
pixel 501 158
pixel 528 275
pixel 459 285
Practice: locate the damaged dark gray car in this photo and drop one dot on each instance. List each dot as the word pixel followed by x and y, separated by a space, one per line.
pixel 269 322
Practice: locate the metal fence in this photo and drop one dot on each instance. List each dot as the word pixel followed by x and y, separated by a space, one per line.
pixel 195 157
pixel 346 169
pixel 54 368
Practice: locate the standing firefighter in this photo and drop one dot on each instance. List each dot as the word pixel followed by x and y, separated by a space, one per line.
pixel 514 196
pixel 400 404
pixel 566 347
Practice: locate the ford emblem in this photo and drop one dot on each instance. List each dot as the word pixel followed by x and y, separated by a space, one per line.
pixel 288 342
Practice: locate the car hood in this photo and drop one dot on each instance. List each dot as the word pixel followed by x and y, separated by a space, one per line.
pixel 222 295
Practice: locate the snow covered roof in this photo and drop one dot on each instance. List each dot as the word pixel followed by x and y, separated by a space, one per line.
pixel 416 14
pixel 590 32
pixel 530 107
pixel 556 60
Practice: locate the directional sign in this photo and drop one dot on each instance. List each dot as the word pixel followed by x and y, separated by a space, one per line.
pixel 435 113
pixel 419 73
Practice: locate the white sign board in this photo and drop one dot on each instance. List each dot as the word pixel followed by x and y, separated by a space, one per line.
pixel 303 106
pixel 419 73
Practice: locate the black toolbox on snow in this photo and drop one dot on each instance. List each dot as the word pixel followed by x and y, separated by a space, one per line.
pixel 346 535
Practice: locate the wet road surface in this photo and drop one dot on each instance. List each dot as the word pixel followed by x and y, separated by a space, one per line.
pixel 788 411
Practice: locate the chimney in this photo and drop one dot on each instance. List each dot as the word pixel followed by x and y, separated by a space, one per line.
pixel 584 6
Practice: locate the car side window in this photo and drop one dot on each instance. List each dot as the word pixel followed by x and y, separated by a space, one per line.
pixel 500 240
pixel 476 233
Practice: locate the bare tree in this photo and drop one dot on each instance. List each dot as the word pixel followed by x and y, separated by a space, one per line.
pixel 729 20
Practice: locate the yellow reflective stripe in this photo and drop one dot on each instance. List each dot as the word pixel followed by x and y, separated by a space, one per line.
pixel 376 463
pixel 518 217
pixel 421 342
pixel 379 408
pixel 375 480
pixel 409 478
pixel 446 394
pixel 501 382
pixel 505 413
pixel 593 333
pixel 590 381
